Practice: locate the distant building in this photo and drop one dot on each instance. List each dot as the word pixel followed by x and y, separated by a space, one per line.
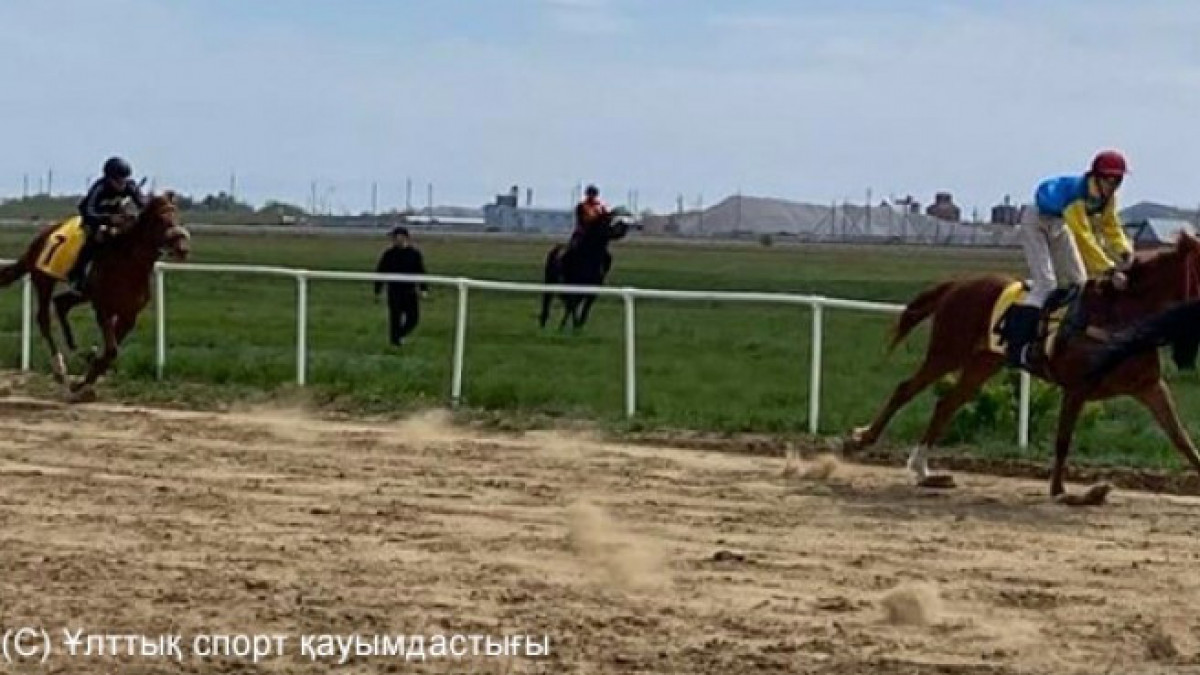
pixel 1006 213
pixel 507 214
pixel 943 208
pixel 1156 232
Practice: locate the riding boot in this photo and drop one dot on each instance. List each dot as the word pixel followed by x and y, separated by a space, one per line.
pixel 1020 331
pixel 77 277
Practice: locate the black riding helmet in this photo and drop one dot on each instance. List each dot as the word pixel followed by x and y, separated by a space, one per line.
pixel 117 169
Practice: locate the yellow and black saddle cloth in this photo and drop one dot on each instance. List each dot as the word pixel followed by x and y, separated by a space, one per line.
pixel 1062 318
pixel 61 249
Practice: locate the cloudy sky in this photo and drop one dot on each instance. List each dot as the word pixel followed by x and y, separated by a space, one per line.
pixel 814 100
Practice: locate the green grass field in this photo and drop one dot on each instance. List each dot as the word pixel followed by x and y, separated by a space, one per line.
pixel 701 365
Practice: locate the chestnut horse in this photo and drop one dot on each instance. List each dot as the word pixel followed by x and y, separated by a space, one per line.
pixel 958 343
pixel 118 284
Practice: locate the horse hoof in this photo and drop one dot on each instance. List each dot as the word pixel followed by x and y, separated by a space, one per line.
pixel 937 481
pixel 85 395
pixel 857 439
pixel 1095 496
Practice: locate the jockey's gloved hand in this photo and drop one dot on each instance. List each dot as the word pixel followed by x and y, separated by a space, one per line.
pixel 1119 280
pixel 1125 261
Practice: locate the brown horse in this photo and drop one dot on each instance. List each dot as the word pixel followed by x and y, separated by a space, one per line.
pixel 118 284
pixel 588 264
pixel 959 343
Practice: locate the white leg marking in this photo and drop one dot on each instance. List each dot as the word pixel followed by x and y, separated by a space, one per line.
pixel 917 463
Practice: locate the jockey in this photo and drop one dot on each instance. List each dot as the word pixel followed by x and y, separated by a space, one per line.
pixel 587 213
pixel 1058 239
pixel 102 209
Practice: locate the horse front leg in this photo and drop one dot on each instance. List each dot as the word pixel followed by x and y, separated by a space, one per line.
pixel 114 329
pixel 584 310
pixel 570 302
pixel 1158 399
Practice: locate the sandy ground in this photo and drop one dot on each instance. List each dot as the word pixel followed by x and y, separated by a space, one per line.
pixel 631 559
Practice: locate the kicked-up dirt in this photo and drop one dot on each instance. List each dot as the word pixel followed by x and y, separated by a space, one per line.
pixel 626 559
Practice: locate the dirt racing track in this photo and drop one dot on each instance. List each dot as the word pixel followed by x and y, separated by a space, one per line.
pixel 629 558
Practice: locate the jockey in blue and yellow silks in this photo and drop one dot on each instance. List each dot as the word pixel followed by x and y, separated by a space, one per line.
pixel 1058 237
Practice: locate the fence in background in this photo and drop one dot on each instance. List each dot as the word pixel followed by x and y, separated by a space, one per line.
pixel 629 296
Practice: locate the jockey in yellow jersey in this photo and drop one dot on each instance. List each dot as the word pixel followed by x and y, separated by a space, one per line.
pixel 1058 237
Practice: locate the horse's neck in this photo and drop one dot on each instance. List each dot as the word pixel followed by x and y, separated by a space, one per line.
pixel 134 252
pixel 1121 310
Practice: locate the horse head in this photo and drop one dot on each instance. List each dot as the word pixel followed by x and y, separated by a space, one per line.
pixel 614 225
pixel 158 224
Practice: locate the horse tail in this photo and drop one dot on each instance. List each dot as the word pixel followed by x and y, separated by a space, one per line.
pixel 917 310
pixel 1178 327
pixel 10 273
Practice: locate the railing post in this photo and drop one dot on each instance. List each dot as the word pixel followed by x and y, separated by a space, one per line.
pixel 160 321
pixel 630 357
pixel 460 345
pixel 26 322
pixel 814 383
pixel 301 327
pixel 1023 431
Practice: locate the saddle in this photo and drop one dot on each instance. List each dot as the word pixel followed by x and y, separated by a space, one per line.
pixel 61 248
pixel 1063 316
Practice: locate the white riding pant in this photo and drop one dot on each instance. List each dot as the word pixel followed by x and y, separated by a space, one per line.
pixel 1051 253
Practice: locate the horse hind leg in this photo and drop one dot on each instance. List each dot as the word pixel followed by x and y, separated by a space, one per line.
pixel 930 371
pixel 970 380
pixel 63 304
pixel 58 363
pixel 547 300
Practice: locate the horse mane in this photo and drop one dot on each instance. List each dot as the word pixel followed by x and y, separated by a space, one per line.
pixel 161 203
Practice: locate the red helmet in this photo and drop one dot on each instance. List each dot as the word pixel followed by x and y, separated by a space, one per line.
pixel 1109 163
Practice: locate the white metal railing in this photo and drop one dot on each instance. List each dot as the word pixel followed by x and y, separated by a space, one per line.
pixel 627 294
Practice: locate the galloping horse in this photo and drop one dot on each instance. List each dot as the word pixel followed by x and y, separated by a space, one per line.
pixel 964 313
pixel 118 284
pixel 585 265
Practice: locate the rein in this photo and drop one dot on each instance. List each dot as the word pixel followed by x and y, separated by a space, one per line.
pixel 1191 277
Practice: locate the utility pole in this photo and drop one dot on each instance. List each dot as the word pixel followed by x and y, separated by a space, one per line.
pixel 25 186
pixel 375 199
pixel 312 201
pixel 50 181
pixel 431 201
pixel 868 211
pixel 408 195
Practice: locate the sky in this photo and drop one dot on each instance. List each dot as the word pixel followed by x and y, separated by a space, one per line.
pixel 811 100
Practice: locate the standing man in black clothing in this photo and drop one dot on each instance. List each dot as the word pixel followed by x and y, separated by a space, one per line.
pixel 404 306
